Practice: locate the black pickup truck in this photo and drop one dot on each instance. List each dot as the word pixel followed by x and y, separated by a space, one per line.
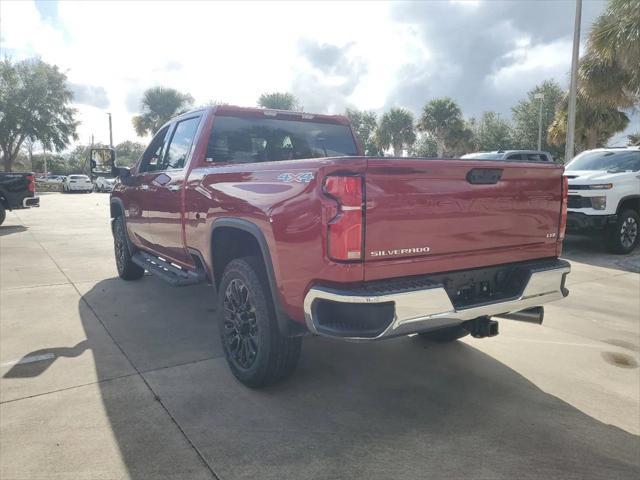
pixel 17 190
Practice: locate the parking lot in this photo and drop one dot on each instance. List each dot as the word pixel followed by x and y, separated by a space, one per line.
pixel 103 378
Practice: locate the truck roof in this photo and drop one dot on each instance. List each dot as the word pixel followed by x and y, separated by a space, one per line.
pixel 269 112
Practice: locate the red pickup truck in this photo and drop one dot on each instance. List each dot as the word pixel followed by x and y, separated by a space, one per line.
pixel 300 233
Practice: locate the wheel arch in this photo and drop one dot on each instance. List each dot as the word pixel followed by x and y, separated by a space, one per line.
pixel 236 237
pixel 117 209
pixel 630 201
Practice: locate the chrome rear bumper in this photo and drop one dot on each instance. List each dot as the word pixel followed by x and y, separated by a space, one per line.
pixel 431 308
pixel 31 202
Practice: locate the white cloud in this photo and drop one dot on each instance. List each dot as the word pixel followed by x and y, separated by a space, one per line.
pixel 234 51
pixel 226 51
pixel 533 62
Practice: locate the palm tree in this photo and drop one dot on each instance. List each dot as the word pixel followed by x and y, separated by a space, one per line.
pixel 396 129
pixel 609 71
pixel 595 123
pixel 158 106
pixel 364 124
pixel 278 101
pixel 442 119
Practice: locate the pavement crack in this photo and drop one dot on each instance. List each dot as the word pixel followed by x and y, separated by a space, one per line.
pixel 69 388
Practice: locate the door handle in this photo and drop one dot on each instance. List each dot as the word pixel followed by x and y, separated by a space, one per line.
pixel 174 188
pixel 144 187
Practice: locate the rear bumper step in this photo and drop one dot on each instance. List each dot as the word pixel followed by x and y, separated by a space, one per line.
pixel 166 271
pixel 354 315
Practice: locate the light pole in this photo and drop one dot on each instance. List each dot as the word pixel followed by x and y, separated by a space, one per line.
pixel 539 96
pixel 571 120
pixel 110 132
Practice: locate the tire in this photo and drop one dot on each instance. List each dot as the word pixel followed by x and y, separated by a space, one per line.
pixel 127 270
pixel 3 214
pixel 445 335
pixel 256 352
pixel 625 235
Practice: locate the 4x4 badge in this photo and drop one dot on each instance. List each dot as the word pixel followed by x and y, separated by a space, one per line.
pixel 303 177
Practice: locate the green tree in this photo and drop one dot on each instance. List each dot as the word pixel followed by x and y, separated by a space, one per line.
pixel 158 106
pixel 364 124
pixel 424 146
pixel 634 139
pixel 35 104
pixel 396 130
pixel 76 160
pixel 278 101
pixel 460 141
pixel 595 123
pixel 525 118
pixel 56 163
pixel 128 152
pixel 491 132
pixel 610 70
pixel 442 119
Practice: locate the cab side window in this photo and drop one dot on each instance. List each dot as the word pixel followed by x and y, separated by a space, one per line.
pixel 180 144
pixel 152 156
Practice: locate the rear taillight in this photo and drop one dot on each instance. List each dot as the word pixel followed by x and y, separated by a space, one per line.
pixel 563 214
pixel 32 183
pixel 344 236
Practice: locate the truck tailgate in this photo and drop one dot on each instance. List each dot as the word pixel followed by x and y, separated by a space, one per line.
pixel 425 216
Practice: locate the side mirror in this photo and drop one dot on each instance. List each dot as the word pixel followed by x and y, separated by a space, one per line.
pixel 102 160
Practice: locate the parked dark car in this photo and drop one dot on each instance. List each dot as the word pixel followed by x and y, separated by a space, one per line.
pixel 17 190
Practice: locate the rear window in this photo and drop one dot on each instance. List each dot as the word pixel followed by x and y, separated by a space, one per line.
pixel 250 140
pixel 78 177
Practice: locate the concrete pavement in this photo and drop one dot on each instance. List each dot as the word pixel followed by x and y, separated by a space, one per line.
pixel 126 380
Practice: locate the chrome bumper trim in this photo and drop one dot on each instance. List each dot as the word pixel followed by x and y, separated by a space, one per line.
pixel 431 308
pixel 31 202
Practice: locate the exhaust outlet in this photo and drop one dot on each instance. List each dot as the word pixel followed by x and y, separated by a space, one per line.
pixel 531 315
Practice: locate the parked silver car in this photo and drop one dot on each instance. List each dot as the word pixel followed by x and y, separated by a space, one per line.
pixel 512 155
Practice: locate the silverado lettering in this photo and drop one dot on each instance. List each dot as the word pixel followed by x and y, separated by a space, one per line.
pixel 401 251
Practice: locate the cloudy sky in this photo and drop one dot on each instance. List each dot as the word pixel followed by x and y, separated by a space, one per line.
pixel 485 54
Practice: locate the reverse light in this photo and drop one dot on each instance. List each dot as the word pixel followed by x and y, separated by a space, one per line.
pixel 344 236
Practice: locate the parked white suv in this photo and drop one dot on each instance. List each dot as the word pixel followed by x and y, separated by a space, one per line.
pixel 604 196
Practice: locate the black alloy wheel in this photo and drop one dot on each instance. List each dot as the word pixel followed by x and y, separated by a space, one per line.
pixel 240 325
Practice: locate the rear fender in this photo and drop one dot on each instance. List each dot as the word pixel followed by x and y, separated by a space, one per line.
pixel 287 326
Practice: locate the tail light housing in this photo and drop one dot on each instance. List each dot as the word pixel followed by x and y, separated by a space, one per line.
pixel 563 214
pixel 344 230
pixel 32 183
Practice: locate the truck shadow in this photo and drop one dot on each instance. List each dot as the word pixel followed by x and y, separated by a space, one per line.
pixel 592 251
pixel 9 229
pixel 396 409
